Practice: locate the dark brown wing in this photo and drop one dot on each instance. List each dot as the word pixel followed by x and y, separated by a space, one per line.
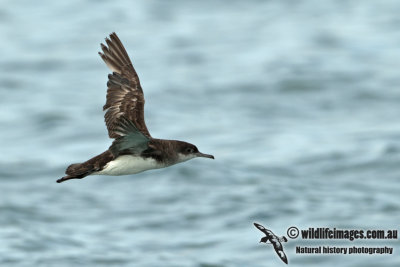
pixel 124 95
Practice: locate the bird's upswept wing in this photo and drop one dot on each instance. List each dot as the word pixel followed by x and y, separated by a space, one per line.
pixel 131 139
pixel 262 228
pixel 125 100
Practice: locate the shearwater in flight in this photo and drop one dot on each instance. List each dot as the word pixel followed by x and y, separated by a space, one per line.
pixel 133 150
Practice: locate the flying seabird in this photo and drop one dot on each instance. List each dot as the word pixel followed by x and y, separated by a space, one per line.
pixel 133 149
pixel 274 240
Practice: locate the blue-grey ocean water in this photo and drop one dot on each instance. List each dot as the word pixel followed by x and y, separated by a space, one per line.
pixel 299 101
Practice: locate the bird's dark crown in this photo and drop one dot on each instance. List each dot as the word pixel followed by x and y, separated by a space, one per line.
pixel 188 150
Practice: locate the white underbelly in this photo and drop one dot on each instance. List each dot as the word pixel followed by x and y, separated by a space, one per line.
pixel 128 164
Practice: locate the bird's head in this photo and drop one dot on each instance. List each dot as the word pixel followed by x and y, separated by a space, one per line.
pixel 187 151
pixel 264 239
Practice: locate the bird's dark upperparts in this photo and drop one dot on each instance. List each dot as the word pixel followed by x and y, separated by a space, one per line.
pixel 133 149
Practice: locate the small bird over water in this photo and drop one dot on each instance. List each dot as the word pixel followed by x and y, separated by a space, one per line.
pixel 274 240
pixel 133 149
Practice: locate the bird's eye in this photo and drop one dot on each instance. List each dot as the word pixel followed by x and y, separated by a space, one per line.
pixel 189 150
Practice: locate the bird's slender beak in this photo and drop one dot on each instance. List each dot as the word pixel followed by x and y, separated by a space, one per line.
pixel 205 155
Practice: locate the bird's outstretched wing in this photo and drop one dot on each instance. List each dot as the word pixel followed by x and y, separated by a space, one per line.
pixel 261 228
pixel 124 94
pixel 279 250
pixel 130 140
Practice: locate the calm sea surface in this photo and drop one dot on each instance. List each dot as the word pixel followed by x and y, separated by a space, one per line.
pixel 298 101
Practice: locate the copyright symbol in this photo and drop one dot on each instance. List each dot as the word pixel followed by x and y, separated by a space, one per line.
pixel 293 232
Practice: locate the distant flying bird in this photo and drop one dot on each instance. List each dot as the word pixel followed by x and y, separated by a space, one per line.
pixel 274 240
pixel 133 150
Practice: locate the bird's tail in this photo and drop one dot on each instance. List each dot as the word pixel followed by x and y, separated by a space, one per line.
pixel 81 170
pixel 76 171
pixel 283 239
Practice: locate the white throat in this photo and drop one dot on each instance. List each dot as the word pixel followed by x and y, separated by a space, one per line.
pixel 183 158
